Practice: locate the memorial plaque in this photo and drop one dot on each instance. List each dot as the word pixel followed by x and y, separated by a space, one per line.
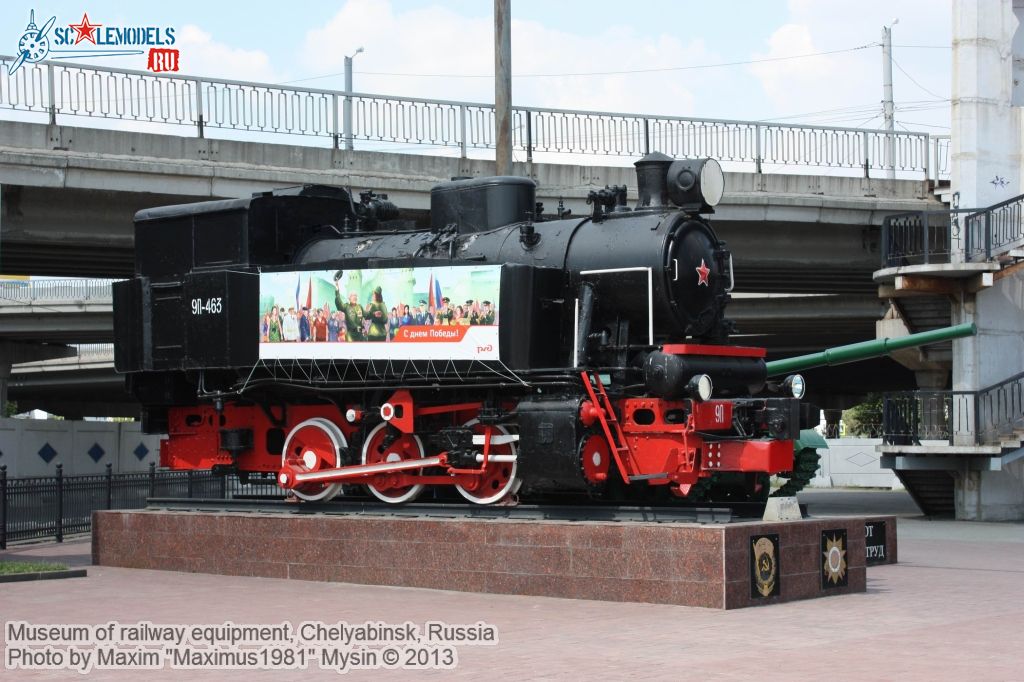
pixel 833 558
pixel 765 578
pixel 874 543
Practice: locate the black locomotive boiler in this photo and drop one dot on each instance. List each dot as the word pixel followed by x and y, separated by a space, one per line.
pixel 299 334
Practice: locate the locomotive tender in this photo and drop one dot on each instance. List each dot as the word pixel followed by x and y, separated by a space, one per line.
pixel 299 334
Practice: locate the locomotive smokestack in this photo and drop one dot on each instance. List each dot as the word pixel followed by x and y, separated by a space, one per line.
pixel 651 181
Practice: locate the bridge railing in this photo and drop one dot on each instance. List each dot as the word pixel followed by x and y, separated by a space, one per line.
pixel 64 89
pixel 55 291
pixel 94 352
pixel 941 167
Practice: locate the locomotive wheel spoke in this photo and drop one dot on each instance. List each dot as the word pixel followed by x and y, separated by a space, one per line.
pixel 376 450
pixel 499 478
pixel 314 445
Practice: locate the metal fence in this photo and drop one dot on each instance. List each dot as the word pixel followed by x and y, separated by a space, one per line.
pixel 910 417
pixel 55 291
pixel 55 506
pixel 970 234
pixel 94 352
pixel 92 92
pixel 1001 409
pixel 980 417
pixel 941 165
pixel 921 237
pixel 995 231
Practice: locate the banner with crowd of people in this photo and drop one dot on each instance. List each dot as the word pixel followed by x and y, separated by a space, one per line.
pixel 427 313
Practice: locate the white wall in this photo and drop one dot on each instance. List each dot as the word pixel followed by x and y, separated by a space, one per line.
pixel 853 463
pixel 114 443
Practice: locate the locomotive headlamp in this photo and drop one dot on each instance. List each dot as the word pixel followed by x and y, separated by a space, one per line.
pixel 696 184
pixel 700 388
pixel 794 384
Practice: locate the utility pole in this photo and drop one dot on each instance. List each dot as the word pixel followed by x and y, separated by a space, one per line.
pixel 887 105
pixel 347 114
pixel 503 85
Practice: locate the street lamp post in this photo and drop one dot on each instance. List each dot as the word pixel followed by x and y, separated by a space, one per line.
pixel 347 107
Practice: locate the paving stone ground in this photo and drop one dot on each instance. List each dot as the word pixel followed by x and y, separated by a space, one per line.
pixel 952 609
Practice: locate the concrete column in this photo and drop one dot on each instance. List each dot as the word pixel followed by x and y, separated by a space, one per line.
pixel 832 419
pixel 986 129
pixel 988 46
pixel 986 169
pixel 985 137
pixel 5 375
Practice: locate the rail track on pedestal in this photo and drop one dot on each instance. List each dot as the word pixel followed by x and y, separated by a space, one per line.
pixel 718 513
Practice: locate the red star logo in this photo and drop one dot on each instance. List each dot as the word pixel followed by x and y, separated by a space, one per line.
pixel 702 274
pixel 85 30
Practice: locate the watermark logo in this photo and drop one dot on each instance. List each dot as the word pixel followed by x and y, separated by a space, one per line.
pixel 88 39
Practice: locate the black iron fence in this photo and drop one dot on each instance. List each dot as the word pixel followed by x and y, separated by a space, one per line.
pixel 994 231
pixel 59 505
pixel 1001 409
pixel 935 237
pixel 979 417
pixel 920 237
pixel 909 417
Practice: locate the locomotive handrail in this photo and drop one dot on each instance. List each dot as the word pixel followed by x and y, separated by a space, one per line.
pixel 96 92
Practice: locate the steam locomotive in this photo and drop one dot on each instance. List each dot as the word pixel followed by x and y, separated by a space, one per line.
pixel 304 334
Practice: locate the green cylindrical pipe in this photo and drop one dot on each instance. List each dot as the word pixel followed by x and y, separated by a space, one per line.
pixel 867 349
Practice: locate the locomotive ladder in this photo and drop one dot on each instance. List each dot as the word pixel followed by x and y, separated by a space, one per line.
pixel 609 423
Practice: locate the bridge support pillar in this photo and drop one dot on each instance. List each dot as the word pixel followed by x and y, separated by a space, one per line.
pixel 832 419
pixel 5 375
pixel 13 353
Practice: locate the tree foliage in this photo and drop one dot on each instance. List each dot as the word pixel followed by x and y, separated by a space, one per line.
pixel 865 420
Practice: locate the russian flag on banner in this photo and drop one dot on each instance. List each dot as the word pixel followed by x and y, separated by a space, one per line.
pixel 309 295
pixel 434 293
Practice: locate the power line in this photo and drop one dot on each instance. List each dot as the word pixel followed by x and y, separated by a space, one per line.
pixel 853 110
pixel 592 73
pixel 927 125
pixel 912 80
pixel 867 120
pixel 857 109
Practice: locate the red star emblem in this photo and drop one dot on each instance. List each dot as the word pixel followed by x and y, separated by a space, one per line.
pixel 702 274
pixel 85 30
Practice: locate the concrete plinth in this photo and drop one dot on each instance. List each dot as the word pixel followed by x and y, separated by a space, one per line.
pixel 669 563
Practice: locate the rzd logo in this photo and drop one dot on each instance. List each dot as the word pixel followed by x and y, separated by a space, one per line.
pixel 484 349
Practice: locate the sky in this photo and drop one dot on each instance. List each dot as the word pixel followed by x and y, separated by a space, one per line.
pixel 796 61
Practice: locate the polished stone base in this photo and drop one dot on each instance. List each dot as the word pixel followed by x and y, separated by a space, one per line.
pixel 717 566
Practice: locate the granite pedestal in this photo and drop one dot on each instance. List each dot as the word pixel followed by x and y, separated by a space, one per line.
pixel 712 565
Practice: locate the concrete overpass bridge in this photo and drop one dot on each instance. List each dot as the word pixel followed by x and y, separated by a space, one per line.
pixel 82 148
